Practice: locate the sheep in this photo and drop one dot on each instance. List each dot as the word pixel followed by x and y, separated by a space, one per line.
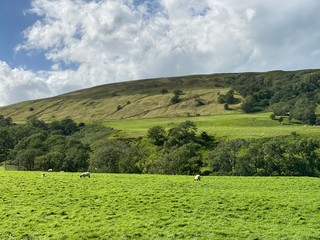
pixel 85 174
pixel 44 175
pixel 50 170
pixel 197 177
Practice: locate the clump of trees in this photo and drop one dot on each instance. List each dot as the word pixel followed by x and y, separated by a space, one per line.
pixel 69 146
pixel 179 150
pixel 267 157
pixel 37 145
pixel 227 98
pixel 176 98
pixel 286 94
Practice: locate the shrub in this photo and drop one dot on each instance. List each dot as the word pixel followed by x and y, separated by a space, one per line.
pixel 199 102
pixel 164 91
pixel 175 99
pixel 177 92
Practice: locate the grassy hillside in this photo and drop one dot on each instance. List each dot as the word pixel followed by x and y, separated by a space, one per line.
pixel 237 125
pixel 135 106
pixel 138 99
pixel 110 206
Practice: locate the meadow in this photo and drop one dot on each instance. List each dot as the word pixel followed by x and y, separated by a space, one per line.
pixel 230 126
pixel 123 206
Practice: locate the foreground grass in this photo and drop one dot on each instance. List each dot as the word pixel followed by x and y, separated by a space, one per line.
pixel 237 125
pixel 110 206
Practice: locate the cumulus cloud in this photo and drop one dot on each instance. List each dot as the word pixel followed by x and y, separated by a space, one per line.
pixel 18 85
pixel 111 40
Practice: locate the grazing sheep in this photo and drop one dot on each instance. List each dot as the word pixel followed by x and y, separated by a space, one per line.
pixel 197 177
pixel 50 170
pixel 44 175
pixel 85 174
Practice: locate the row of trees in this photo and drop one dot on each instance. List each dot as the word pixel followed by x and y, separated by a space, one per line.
pixel 67 146
pixel 265 157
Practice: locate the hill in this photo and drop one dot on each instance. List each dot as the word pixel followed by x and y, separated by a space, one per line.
pixel 198 95
pixel 133 99
pixel 182 125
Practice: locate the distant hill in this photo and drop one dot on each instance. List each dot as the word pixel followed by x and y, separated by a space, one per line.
pixel 196 95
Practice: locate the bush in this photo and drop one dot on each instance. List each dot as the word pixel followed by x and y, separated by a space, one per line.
pixel 164 91
pixel 175 99
pixel 221 99
pixel 177 92
pixel 199 102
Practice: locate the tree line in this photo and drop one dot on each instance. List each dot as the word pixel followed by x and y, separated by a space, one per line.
pixel 69 146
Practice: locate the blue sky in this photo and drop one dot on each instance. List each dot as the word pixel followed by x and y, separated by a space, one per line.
pixel 14 19
pixel 53 47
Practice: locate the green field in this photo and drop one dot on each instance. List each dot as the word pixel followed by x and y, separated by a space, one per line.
pixel 116 206
pixel 237 125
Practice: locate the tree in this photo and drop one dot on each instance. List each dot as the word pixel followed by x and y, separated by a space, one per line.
pixel 66 126
pixel 76 156
pixel 280 108
pixel 157 135
pixel 225 157
pixel 177 92
pixel 304 111
pixel 26 157
pixel 184 159
pixel 184 133
pixel 229 98
pixel 52 159
pixel 303 158
pixel 221 99
pixel 5 121
pixel 274 152
pixel 199 102
pixel 175 99
pixel 6 143
pixel 248 104
pixel 164 91
pixel 37 123
pixel 107 157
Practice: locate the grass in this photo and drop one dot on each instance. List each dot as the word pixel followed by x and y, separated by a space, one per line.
pixel 237 125
pixel 110 206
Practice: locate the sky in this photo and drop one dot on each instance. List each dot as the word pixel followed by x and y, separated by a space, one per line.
pixel 51 47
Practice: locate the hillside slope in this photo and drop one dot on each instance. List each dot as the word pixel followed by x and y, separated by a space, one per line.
pixel 147 98
pixel 134 99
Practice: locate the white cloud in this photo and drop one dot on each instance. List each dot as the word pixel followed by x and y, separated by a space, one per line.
pixel 18 85
pixel 115 40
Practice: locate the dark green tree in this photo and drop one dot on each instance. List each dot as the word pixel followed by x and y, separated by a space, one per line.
pixel 304 110
pixel 6 143
pixel 175 99
pixel 248 106
pixel 157 135
pixel 229 98
pixel 224 157
pixel 182 134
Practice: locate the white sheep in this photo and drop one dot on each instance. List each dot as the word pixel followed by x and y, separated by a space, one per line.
pixel 85 174
pixel 50 170
pixel 197 177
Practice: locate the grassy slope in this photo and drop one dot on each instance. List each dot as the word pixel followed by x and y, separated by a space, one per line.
pixel 109 206
pixel 237 125
pixel 143 106
pixel 146 101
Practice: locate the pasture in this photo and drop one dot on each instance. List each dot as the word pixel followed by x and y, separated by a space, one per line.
pixel 123 206
pixel 231 126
